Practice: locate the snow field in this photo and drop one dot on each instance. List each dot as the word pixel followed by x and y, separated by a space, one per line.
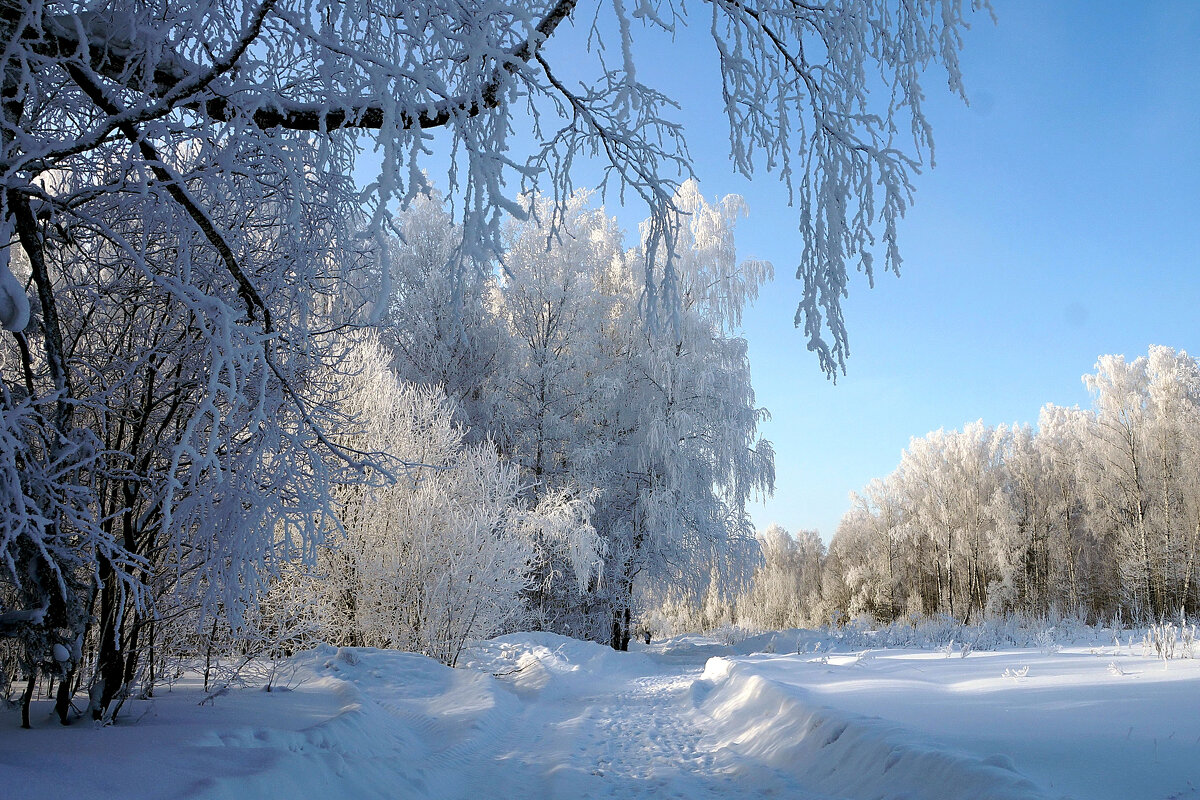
pixel 540 715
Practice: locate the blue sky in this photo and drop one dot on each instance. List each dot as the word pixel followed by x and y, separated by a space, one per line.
pixel 1060 223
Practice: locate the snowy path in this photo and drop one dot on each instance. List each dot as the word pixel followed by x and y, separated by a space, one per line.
pixel 629 741
pixel 547 717
pixel 628 731
pixel 564 719
pixel 638 742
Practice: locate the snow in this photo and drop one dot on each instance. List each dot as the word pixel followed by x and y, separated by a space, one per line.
pixel 14 303
pixel 540 715
pixel 1070 724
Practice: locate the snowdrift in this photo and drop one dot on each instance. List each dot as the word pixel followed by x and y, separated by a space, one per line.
pixel 359 723
pixel 756 719
pixel 406 725
pixel 546 663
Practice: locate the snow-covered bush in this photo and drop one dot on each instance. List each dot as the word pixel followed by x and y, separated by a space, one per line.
pixel 435 553
pixel 1166 640
pixel 442 549
pixel 954 638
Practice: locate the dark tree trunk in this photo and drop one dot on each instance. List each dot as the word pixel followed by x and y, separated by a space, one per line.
pixel 212 639
pixel 620 629
pixel 27 697
pixel 150 666
pixel 109 664
pixel 62 700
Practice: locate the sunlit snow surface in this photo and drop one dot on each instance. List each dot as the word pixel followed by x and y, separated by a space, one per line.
pixel 537 715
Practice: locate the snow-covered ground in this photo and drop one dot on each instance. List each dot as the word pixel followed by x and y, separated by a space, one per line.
pixel 538 715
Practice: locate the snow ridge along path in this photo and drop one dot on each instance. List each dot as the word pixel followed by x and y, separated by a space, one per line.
pixel 757 721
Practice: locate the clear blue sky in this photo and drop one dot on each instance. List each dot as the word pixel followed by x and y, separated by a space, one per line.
pixel 1061 222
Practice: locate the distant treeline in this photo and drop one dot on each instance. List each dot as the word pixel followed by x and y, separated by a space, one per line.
pixel 1095 513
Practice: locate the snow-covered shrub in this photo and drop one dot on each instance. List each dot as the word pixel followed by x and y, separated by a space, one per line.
pixel 1166 640
pixel 730 634
pixel 441 551
pixel 1046 642
pixel 952 637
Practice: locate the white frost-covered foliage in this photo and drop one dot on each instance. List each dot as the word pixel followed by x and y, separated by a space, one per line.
pixel 1094 515
pixel 436 326
pixel 648 432
pixel 1095 512
pixel 48 527
pixel 176 409
pixel 178 178
pixel 786 589
pixel 659 422
pixel 442 552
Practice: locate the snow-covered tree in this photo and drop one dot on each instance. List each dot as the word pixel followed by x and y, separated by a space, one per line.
pixel 950 479
pixel 1092 513
pixel 210 149
pixel 442 551
pixel 436 323
pixel 204 437
pixel 696 457
pixel 878 577
pixel 786 589
pixel 657 421
pixel 1075 548
pixel 1136 470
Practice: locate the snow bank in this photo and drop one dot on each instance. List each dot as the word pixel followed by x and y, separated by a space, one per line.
pixel 760 721
pixel 359 723
pixel 542 663
pixel 790 640
pixel 402 719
